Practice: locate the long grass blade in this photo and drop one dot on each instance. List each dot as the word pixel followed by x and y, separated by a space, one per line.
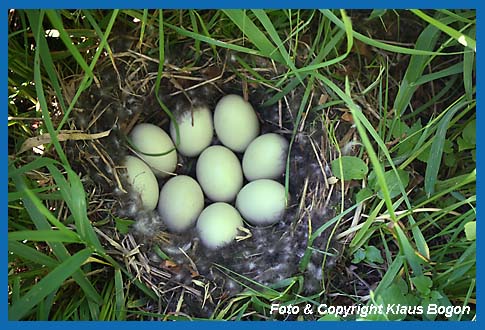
pixel 38 30
pixel 120 311
pixel 268 25
pixel 34 209
pixel 87 79
pixel 46 58
pixel 436 154
pixel 28 253
pixel 254 34
pixel 56 21
pixel 382 45
pixel 51 282
pixel 460 37
pixel 409 84
pixel 44 236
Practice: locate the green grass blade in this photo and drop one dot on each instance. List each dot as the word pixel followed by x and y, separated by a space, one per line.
pixel 390 275
pixel 120 311
pixel 468 69
pixel 460 37
pixel 44 236
pixel 38 30
pixel 35 206
pixel 56 21
pixel 143 21
pixel 37 212
pixel 212 41
pixel 306 257
pixel 257 77
pixel 16 289
pixel 195 28
pixel 28 253
pixel 426 41
pixel 408 251
pixel 382 45
pixel 79 208
pixel 317 63
pixel 460 267
pixel 46 58
pixel 45 306
pixel 87 79
pixel 51 282
pixel 268 25
pixel 436 153
pixel 101 35
pixel 361 236
pixel 14 196
pixel 33 165
pixel 452 70
pixel 467 17
pixel 74 195
pixel 161 58
pixel 364 126
pixel 205 30
pixel 254 34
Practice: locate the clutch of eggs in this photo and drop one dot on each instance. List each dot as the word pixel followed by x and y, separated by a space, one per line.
pixel 219 172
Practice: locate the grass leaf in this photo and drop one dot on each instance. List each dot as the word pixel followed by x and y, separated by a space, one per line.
pixel 435 157
pixel 39 214
pixel 51 282
pixel 120 310
pixel 410 82
pixel 78 208
pixel 254 34
pixel 38 30
pixel 468 69
pixel 46 58
pixel 379 44
pixel 471 230
pixel 44 236
pixel 268 25
pixel 28 253
pixel 56 21
pixel 460 37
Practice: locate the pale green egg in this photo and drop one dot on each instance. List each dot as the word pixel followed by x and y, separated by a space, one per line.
pixel 181 201
pixel 196 131
pixel 219 173
pixel 262 202
pixel 151 139
pixel 235 122
pixel 265 157
pixel 143 181
pixel 218 225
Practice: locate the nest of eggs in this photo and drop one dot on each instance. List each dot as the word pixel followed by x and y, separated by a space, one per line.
pixel 189 278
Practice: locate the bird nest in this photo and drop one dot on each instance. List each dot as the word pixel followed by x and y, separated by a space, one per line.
pixel 189 279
